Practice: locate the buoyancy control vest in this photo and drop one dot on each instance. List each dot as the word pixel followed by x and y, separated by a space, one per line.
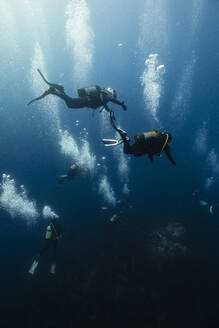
pixel 153 141
pixel 92 94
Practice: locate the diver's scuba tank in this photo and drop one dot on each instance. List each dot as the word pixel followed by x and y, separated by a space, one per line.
pixel 48 232
pixel 92 94
pixel 144 136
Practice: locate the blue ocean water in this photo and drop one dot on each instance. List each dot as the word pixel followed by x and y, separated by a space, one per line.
pixel 156 264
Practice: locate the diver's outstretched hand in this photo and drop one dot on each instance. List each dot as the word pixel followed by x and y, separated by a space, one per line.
pixel 124 106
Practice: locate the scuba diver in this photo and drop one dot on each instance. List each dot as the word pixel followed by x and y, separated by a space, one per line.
pixel 73 171
pixel 151 143
pixel 53 234
pixel 210 207
pixel 118 214
pixel 91 97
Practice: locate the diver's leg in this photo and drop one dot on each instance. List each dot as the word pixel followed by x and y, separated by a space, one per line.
pixel 44 249
pixel 127 148
pixel 41 252
pixel 36 260
pixel 51 90
pixel 71 102
pixel 54 248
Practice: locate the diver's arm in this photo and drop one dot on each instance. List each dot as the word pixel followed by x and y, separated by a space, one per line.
pixel 110 111
pixel 106 98
pixel 106 108
pixel 168 154
pixel 115 101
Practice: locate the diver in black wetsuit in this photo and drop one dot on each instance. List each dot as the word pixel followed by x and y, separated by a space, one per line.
pixel 151 143
pixel 53 234
pixel 73 171
pixel 92 97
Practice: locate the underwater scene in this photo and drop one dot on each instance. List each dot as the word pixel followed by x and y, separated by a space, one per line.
pixel 109 170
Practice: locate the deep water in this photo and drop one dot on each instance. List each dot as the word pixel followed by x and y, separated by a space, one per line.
pixel 156 265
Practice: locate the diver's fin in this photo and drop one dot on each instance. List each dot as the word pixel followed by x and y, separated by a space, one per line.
pixel 43 77
pixel 56 86
pixel 32 101
pixel 111 142
pixel 49 91
pixel 53 268
pixel 33 267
